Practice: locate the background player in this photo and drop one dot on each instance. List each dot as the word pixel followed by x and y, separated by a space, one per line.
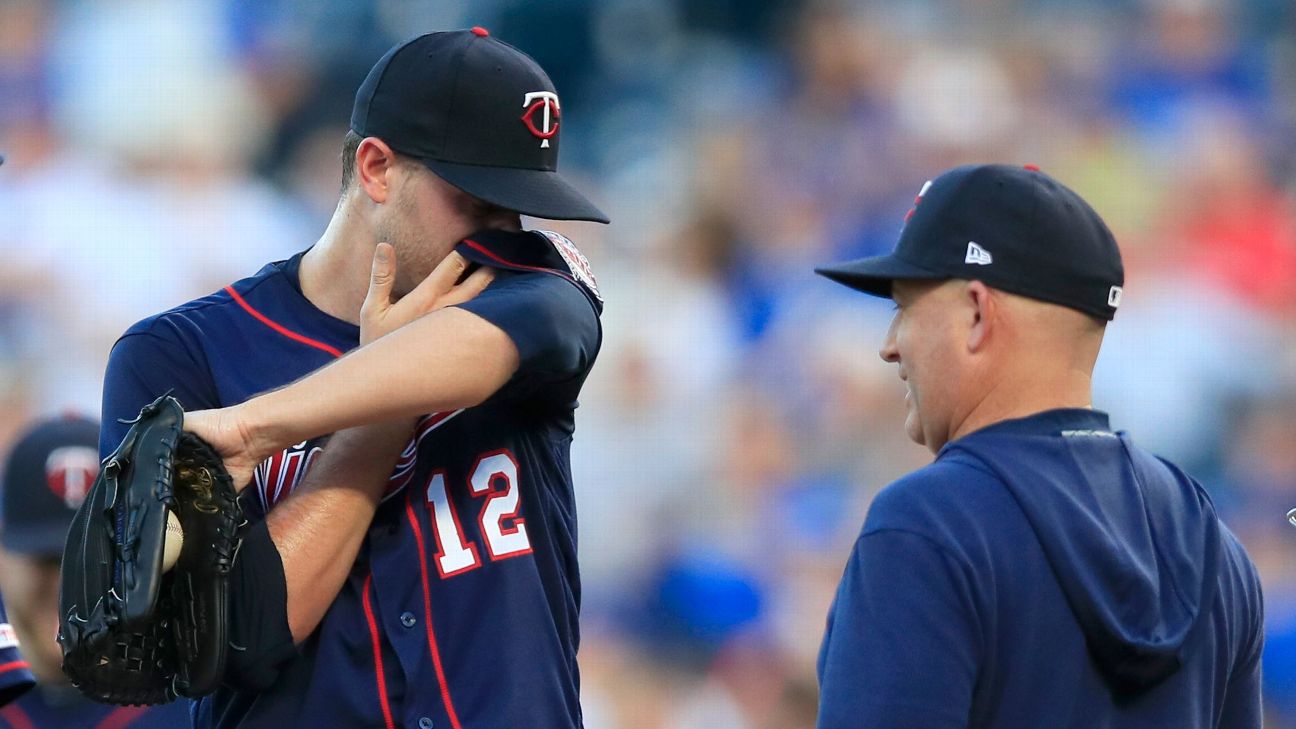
pixel 15 673
pixel 466 581
pixel 44 479
pixel 1044 571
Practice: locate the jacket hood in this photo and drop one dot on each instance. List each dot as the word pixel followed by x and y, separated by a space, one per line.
pixel 1133 541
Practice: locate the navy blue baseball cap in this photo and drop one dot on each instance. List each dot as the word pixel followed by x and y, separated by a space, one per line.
pixel 45 478
pixel 1013 228
pixel 480 114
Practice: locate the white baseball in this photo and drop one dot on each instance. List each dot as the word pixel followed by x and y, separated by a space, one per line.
pixel 174 542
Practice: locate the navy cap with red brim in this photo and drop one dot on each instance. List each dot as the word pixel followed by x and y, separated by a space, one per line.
pixel 874 275
pixel 538 193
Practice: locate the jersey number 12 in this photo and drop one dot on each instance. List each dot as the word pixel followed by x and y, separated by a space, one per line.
pixel 495 477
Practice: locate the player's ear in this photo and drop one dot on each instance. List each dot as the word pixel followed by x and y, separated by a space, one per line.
pixel 982 309
pixel 374 164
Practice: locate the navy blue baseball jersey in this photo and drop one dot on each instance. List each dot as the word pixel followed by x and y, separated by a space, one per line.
pixel 15 674
pixel 64 707
pixel 1044 572
pixel 461 610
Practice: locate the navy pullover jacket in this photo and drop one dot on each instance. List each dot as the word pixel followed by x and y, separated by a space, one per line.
pixel 1044 572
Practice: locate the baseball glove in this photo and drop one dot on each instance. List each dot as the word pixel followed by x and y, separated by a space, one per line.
pixel 131 631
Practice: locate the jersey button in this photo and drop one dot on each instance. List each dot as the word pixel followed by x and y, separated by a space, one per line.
pixel 408 620
pixel 425 723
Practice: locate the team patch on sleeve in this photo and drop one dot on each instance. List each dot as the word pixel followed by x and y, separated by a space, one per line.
pixel 576 261
pixel 8 638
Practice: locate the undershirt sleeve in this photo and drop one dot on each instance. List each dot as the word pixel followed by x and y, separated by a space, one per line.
pixel 260 640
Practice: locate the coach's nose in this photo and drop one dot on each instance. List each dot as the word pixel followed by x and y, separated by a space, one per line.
pixel 890 351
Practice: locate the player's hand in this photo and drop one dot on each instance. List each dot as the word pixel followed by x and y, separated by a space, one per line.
pixel 380 315
pixel 224 430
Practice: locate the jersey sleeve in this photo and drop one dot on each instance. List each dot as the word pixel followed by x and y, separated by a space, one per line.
pixel 144 364
pixel 902 645
pixel 15 674
pixel 553 325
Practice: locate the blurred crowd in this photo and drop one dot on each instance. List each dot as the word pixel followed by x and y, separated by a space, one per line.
pixel 739 421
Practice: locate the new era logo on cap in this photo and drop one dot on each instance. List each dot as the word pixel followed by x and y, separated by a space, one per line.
pixel 1114 296
pixel 978 255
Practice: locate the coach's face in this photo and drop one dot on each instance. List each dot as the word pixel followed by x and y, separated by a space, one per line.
pixel 927 339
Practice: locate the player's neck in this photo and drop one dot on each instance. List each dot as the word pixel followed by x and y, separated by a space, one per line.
pixel 334 274
pixel 1019 397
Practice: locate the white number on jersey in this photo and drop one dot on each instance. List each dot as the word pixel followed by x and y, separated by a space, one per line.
pixel 495 476
pixel 452 556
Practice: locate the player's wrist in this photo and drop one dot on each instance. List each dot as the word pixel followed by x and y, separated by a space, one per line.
pixel 255 427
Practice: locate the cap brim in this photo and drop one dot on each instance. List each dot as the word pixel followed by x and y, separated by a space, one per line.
pixel 874 275
pixel 538 193
pixel 36 539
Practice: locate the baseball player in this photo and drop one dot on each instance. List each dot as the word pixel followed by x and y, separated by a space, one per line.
pixel 420 571
pixel 45 477
pixel 15 673
pixel 1044 570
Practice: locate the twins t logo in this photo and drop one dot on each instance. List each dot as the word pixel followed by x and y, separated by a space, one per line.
pixel 546 101
pixel 70 471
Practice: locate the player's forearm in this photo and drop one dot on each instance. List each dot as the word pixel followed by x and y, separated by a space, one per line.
pixel 319 529
pixel 445 361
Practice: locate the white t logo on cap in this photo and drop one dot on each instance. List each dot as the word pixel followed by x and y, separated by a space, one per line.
pixel 535 101
pixel 70 471
pixel 978 255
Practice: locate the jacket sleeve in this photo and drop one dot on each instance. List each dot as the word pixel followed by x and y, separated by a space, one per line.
pixel 903 644
pixel 1242 703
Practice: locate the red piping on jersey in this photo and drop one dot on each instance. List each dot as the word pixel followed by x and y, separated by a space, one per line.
pixel 13 666
pixel 377 650
pixel 121 717
pixel 427 617
pixel 279 327
pixel 16 717
pixel 491 255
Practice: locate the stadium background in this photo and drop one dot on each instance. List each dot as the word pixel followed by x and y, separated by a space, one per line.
pixel 738 421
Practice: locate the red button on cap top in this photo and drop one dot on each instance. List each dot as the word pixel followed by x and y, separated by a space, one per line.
pixel 1032 168
pixel 480 31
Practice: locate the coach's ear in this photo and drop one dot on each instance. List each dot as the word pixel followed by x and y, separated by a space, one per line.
pixel 374 163
pixel 982 309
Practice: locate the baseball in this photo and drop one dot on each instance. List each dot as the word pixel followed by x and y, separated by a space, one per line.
pixel 174 541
